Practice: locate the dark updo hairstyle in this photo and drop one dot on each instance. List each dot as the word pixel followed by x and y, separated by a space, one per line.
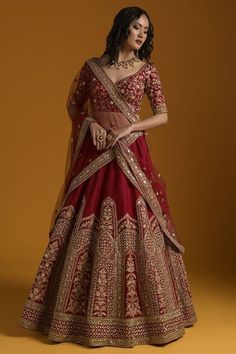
pixel 120 31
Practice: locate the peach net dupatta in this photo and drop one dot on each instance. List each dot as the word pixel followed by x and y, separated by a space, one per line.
pixel 79 127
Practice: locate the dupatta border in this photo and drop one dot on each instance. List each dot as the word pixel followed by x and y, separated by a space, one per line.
pixel 96 164
pixel 138 178
pixel 82 132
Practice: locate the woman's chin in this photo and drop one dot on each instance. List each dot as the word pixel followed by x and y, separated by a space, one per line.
pixel 137 47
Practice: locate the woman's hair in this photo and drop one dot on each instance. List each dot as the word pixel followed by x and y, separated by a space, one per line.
pixel 120 31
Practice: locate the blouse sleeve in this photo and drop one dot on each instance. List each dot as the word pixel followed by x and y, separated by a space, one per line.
pixel 79 93
pixel 153 89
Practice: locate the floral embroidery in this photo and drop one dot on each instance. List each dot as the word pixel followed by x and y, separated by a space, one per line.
pixel 153 88
pixel 57 241
pixel 132 300
pixel 79 294
pixel 138 280
pixel 130 89
pixel 100 302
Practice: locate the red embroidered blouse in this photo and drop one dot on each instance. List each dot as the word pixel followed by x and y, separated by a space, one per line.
pixel 133 88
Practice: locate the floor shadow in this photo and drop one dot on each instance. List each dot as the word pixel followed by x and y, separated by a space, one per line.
pixel 12 301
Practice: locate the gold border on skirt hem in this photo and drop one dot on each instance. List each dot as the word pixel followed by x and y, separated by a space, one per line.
pixel 126 343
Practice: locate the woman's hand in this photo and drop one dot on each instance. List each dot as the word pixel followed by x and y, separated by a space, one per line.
pixel 96 131
pixel 117 133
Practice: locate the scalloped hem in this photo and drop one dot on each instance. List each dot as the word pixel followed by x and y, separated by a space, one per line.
pixel 114 342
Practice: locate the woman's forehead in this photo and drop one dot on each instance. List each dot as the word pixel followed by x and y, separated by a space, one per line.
pixel 142 21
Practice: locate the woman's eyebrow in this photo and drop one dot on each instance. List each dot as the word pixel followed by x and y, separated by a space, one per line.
pixel 140 24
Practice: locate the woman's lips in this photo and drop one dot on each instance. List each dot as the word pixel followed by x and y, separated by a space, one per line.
pixel 138 41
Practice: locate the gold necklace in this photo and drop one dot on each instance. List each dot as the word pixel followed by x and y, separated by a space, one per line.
pixel 124 63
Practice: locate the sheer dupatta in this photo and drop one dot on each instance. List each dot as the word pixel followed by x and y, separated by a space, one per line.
pixel 124 156
pixel 80 114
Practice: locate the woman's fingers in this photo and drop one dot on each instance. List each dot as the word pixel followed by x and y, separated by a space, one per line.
pixel 101 143
pixel 96 131
pixel 111 143
pixel 93 132
pixel 94 139
pixel 115 140
pixel 104 139
pixel 109 139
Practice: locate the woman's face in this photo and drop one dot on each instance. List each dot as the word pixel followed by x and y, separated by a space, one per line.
pixel 138 33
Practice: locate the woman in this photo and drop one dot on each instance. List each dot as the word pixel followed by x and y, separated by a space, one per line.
pixel 113 271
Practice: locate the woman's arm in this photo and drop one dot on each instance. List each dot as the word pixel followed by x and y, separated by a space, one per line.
pixel 155 121
pixel 152 122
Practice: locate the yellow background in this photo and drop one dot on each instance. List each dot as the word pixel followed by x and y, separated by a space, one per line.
pixel 43 45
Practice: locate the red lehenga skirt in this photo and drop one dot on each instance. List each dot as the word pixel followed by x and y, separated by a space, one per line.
pixel 109 276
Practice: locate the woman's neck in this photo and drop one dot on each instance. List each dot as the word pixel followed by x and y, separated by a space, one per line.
pixel 125 54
